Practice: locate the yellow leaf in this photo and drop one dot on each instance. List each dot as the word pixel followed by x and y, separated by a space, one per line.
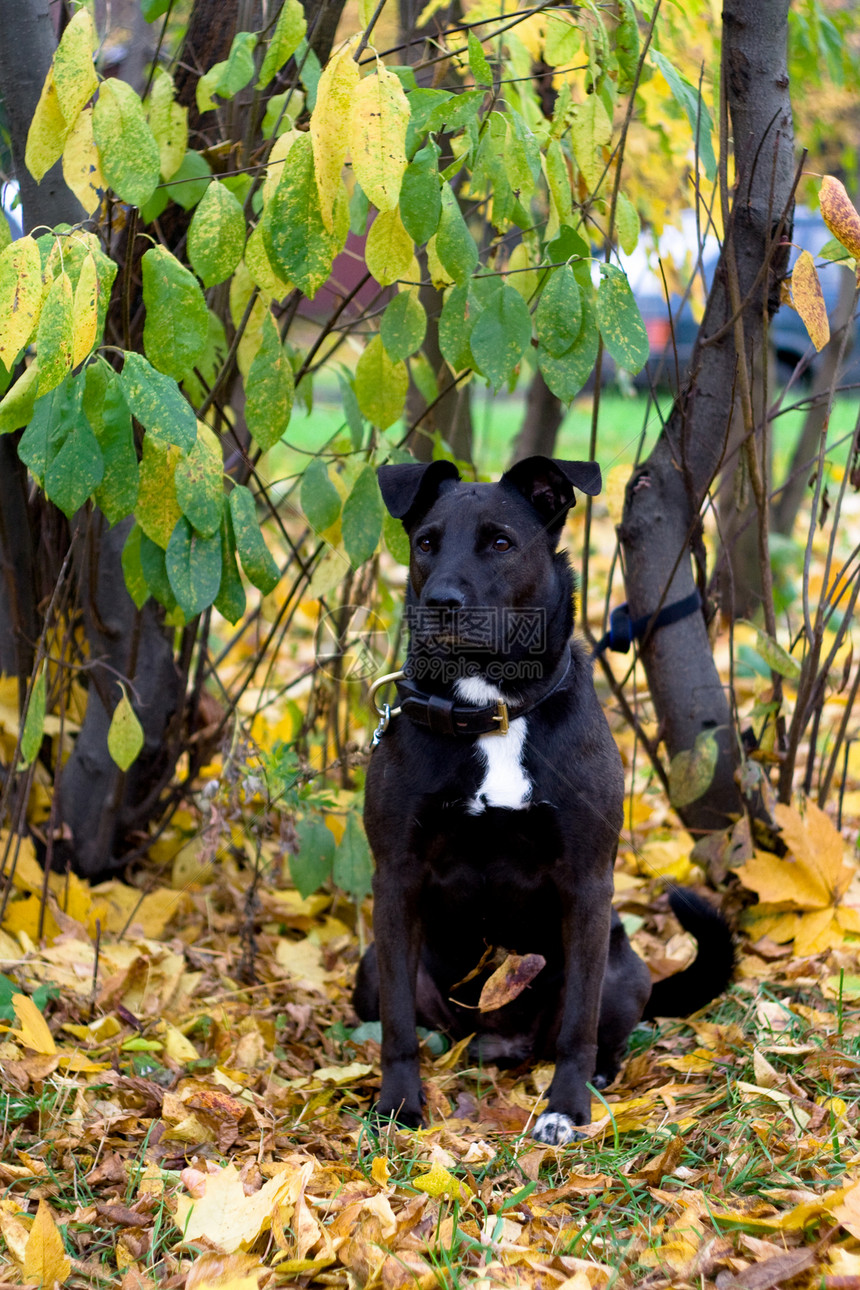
pixel 168 122
pixel 331 121
pixel 389 248
pixel 20 297
pixel 378 136
pixel 45 1258
pixel 342 1074
pixel 85 310
pixel 157 509
pixel 839 214
pixel 379 1171
pixel 818 843
pixel 82 169
pixel 808 300
pixel 32 1029
pixel 48 132
pixel 509 980
pixel 226 1217
pixel 74 74
pixel 439 1182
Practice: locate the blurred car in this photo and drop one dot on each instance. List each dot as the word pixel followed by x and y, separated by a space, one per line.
pixel 678 248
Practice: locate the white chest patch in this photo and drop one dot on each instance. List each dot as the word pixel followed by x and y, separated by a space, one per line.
pixel 505 781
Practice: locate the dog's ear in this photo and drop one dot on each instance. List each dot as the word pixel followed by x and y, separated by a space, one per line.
pixel 549 485
pixel 409 490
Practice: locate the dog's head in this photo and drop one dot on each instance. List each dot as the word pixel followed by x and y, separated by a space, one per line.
pixel 480 552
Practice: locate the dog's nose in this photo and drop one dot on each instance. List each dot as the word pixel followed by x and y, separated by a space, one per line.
pixel 445 598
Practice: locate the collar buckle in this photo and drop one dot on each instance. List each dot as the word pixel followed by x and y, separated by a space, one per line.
pixel 502 718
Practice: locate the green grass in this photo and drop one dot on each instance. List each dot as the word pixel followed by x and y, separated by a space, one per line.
pixel 496 420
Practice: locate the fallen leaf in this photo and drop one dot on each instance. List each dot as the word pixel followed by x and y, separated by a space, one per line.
pixel 509 980
pixel 45 1258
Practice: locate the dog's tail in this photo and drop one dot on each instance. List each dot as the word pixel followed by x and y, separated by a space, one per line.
pixel 711 970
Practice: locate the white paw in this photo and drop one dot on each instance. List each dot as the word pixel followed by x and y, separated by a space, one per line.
pixel 555 1129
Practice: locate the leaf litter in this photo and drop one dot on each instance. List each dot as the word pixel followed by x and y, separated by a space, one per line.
pixel 186 1090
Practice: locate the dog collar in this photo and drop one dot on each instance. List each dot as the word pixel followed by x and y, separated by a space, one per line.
pixel 447 717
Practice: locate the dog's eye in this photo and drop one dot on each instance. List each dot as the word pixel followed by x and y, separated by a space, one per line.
pixel 424 544
pixel 501 543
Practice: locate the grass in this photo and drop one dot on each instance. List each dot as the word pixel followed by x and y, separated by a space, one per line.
pixel 629 425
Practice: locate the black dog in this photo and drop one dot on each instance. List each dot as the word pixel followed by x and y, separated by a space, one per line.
pixel 494 804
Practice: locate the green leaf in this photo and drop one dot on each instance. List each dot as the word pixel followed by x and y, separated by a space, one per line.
pixel 193 566
pixel 455 325
pixel 230 601
pixel 229 76
pixel 353 863
pixel 478 64
pixel 269 388
pixel 190 182
pixel 778 659
pixel 627 224
pixel 127 149
pixel 55 335
pixel 620 321
pixel 362 518
pixel 396 538
pixel 200 485
pixel 176 327
pixel 311 866
pixel 381 385
pixel 563 40
pixel 254 554
pixel 687 96
pixel 34 722
pixel 298 244
pixel 156 401
pixel 154 569
pixel 627 46
pixel 559 313
pixel 403 325
pixel 455 246
pixel 196 384
pixel 216 238
pixel 75 470
pixel 691 771
pixel 125 734
pixel 108 415
pixel 319 497
pixel 566 375
pixel 420 194
pixel 168 121
pixel 591 132
pixel 55 415
pixel 133 569
pixel 558 178
pixel 501 333
pixel 286 38
pixel 16 408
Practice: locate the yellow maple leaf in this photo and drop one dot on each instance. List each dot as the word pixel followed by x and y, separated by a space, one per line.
pixel 226 1217
pixel 800 893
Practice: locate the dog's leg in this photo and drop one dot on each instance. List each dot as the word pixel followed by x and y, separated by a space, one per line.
pixel 587 907
pixel 398 942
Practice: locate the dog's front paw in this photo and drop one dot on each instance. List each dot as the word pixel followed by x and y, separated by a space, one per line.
pixel 555 1129
pixel 401 1102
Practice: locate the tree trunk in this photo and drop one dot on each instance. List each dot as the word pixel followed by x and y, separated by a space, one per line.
pixel 98 802
pixel 664 497
pixel 26 51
